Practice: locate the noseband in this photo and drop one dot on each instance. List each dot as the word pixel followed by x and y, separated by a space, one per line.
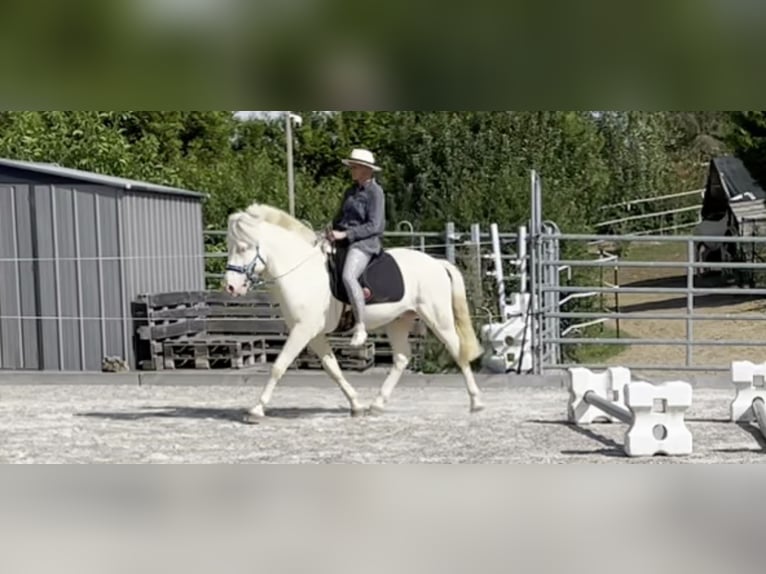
pixel 249 270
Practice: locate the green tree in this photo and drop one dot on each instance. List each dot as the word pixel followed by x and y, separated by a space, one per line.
pixel 748 139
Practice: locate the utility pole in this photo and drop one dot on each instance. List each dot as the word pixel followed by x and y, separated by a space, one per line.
pixel 289 119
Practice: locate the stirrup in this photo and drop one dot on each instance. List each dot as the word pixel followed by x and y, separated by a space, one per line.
pixel 359 337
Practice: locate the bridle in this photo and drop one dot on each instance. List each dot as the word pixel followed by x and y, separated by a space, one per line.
pixel 249 270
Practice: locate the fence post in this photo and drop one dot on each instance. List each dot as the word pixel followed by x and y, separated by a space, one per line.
pixel 476 242
pixel 410 229
pixel 498 260
pixel 521 251
pixel 536 275
pixel 616 283
pixel 689 302
pixel 602 295
pixel 449 239
pixel 552 306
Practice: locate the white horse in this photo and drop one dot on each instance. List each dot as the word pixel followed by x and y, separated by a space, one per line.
pixel 265 241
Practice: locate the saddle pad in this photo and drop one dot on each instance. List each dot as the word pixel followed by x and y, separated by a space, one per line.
pixel 382 280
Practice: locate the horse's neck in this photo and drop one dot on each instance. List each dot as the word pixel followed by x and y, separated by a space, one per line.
pixel 286 252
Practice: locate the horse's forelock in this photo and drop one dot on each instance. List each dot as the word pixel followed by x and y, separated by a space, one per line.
pixel 238 234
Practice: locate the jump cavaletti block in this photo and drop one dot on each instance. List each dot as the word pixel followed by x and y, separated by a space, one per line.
pixel 654 413
pixel 748 380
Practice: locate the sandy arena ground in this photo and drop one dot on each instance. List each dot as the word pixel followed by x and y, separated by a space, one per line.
pixel 428 419
pixel 427 423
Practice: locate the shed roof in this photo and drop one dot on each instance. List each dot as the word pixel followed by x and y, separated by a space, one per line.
pixel 737 179
pixel 97 178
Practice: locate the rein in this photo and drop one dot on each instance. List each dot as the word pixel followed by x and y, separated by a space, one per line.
pixel 249 270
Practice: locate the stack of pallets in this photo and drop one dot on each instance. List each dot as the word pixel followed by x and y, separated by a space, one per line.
pixel 211 329
pixel 204 330
pixel 208 352
pixel 357 359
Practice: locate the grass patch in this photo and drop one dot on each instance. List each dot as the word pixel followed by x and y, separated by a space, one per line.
pixel 648 250
pixel 593 352
pixel 660 251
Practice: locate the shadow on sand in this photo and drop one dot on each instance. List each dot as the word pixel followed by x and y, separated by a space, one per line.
pixel 222 414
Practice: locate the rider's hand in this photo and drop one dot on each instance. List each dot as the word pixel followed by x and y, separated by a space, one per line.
pixel 336 235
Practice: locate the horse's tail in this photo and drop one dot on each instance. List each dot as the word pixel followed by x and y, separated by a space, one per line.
pixel 470 348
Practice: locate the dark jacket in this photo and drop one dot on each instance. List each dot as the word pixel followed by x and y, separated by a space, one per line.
pixel 362 215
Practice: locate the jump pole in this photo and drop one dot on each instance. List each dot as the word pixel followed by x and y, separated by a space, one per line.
pixel 612 409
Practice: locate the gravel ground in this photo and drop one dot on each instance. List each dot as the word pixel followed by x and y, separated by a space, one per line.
pixel 310 423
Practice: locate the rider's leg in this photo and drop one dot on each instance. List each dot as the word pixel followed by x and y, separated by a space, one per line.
pixel 356 263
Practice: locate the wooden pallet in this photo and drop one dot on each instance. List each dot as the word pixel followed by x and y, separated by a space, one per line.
pixel 384 355
pixel 358 359
pixel 152 358
pixel 167 317
pixel 346 363
pixel 208 352
pixel 159 317
pixel 172 318
pixel 348 357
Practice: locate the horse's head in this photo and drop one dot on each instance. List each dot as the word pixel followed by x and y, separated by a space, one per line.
pixel 247 258
pixel 264 236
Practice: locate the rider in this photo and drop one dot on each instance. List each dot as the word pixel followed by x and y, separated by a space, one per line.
pixel 361 221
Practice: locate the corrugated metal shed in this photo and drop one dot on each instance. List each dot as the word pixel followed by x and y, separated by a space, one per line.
pixel 75 249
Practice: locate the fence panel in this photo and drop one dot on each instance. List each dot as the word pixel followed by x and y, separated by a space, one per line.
pixel 671 311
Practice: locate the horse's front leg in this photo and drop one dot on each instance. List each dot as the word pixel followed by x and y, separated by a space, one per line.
pixel 321 346
pixel 297 340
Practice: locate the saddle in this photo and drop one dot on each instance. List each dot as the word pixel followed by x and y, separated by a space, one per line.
pixel 381 281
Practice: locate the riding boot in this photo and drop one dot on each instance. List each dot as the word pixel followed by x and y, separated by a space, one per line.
pixel 360 335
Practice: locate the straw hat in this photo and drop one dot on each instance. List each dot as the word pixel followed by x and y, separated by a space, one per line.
pixel 362 157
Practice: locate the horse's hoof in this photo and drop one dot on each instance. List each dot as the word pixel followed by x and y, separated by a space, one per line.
pixel 358 412
pixel 477 407
pixel 254 415
pixel 375 410
pixel 251 419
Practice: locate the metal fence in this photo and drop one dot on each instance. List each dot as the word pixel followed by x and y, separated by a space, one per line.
pixel 678 292
pixel 660 221
pixel 669 310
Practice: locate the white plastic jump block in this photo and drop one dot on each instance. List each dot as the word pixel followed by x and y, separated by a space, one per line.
pixel 749 379
pixel 658 418
pixel 503 347
pixel 608 385
pixel 656 412
pixel 507 343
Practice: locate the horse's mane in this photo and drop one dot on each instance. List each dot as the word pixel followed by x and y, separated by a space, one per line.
pixel 271 215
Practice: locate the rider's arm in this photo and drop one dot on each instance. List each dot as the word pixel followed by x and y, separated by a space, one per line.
pixel 339 214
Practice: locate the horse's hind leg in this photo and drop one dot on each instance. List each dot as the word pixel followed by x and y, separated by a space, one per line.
pixel 442 325
pixel 321 346
pixel 398 333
